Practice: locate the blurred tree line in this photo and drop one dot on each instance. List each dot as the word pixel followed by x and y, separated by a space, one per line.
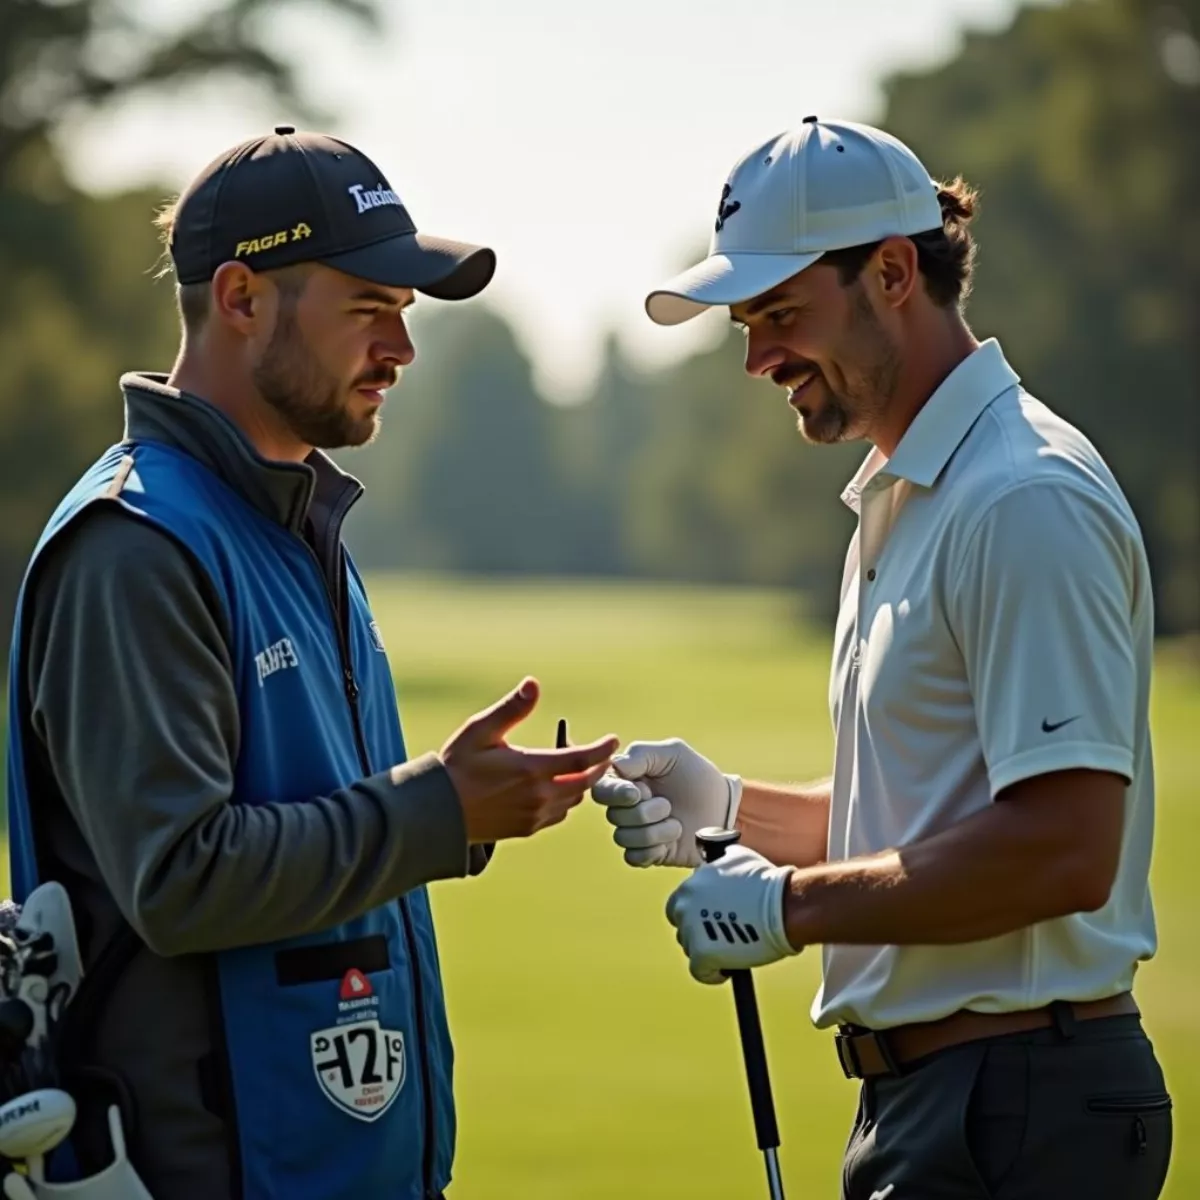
pixel 1080 124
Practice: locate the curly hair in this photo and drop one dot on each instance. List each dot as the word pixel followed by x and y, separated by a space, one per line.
pixel 945 257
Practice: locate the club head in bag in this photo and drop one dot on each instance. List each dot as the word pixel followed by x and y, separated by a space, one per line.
pixel 16 1187
pixel 40 961
pixel 51 965
pixel 118 1181
pixel 33 1124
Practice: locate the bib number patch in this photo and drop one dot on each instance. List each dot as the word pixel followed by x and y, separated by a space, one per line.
pixel 360 1067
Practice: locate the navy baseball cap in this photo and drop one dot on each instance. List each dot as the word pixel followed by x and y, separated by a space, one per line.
pixel 294 197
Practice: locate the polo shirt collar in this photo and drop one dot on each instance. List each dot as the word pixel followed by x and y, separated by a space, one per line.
pixel 943 422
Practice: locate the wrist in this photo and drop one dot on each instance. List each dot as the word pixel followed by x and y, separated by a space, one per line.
pixel 799 912
pixel 734 801
pixel 778 928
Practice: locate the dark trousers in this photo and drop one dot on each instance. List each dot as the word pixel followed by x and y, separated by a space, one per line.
pixel 1068 1113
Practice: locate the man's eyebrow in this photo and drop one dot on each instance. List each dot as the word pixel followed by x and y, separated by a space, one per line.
pixel 756 306
pixel 377 296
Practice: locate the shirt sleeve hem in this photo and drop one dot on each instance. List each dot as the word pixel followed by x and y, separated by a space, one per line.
pixel 1065 757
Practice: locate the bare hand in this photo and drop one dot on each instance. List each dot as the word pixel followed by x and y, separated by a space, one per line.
pixel 507 791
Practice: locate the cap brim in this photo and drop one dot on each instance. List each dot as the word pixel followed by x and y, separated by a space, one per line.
pixel 438 267
pixel 722 279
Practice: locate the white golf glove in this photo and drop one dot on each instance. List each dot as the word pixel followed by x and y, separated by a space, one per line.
pixel 658 795
pixel 728 915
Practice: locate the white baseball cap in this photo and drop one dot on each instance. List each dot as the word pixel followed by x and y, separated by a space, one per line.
pixel 824 186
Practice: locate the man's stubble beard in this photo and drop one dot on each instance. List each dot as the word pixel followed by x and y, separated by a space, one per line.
pixel 307 399
pixel 850 414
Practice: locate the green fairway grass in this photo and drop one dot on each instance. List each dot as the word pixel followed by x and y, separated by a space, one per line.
pixel 590 1065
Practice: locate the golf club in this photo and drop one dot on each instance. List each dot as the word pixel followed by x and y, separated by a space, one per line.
pixel 35 1123
pixel 16 1187
pixel 713 843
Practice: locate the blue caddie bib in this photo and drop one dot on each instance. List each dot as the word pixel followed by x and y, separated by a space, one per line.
pixel 337 1053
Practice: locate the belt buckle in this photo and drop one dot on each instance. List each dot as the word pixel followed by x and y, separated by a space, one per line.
pixel 843 1042
pixel 849 1058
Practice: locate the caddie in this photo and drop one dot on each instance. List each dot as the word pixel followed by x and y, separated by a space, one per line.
pixel 203 733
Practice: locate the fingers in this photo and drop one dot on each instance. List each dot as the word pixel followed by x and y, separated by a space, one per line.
pixel 569 785
pixel 494 722
pixel 649 811
pixel 676 905
pixel 652 856
pixel 643 837
pixel 574 760
pixel 615 792
pixel 563 794
pixel 555 811
pixel 647 759
pixel 558 796
pixel 702 972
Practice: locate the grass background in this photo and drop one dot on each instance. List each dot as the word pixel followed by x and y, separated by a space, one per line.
pixel 590 1065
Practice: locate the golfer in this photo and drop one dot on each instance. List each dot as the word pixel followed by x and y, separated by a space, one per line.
pixel 203 734
pixel 975 870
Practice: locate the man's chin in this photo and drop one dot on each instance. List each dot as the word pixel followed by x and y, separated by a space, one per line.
pixel 363 432
pixel 818 430
pixel 352 435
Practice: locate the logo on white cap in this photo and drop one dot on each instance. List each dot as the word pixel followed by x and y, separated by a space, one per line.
pixel 724 210
pixel 824 186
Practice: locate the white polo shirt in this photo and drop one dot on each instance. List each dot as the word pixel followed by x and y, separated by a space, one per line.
pixel 995 624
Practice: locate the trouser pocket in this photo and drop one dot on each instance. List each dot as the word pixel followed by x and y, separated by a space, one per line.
pixel 1099 1123
pixel 1135 1133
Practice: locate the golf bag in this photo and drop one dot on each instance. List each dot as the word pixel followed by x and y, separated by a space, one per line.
pixel 41 973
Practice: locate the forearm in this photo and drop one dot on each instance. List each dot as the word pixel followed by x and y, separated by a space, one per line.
pixel 788 825
pixel 248 874
pixel 999 870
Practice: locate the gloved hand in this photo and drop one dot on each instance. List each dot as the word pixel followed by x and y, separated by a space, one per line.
pixel 729 915
pixel 658 794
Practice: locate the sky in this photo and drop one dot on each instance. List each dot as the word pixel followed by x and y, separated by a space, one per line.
pixel 587 144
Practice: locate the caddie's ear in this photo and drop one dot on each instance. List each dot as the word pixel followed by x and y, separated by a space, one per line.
pixel 241 299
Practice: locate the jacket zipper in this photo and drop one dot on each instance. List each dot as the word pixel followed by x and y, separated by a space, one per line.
pixel 350 686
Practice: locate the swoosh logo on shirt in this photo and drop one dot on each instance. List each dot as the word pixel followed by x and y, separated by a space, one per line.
pixel 1047 727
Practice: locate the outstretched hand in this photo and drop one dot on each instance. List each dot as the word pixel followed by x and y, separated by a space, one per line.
pixel 508 791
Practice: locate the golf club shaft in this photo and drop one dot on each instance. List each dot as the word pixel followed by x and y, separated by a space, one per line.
pixel 762 1104
pixel 713 844
pixel 774 1179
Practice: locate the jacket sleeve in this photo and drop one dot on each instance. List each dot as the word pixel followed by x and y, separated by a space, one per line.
pixel 133 699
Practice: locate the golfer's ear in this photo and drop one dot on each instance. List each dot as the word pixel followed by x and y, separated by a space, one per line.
pixel 896 270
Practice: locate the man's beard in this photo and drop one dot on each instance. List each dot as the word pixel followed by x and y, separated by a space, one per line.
pixel 849 413
pixel 308 399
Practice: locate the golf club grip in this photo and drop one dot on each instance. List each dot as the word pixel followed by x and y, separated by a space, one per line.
pixel 762 1103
